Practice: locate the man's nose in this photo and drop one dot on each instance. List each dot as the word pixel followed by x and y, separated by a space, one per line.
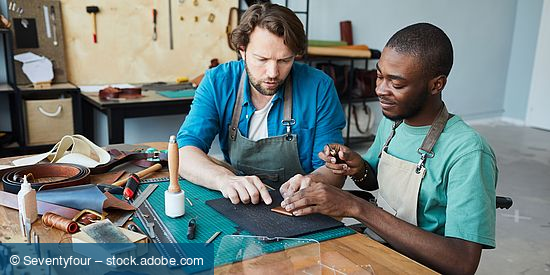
pixel 272 70
pixel 381 87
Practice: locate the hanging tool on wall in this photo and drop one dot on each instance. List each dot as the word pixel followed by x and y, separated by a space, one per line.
pixel 155 24
pixel 170 24
pixel 47 21
pixel 54 28
pixel 93 10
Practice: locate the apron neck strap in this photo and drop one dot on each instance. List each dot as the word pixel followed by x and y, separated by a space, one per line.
pixel 237 109
pixel 431 138
pixel 394 126
pixel 287 121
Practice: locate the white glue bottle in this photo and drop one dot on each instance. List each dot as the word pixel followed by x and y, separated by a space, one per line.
pixel 26 203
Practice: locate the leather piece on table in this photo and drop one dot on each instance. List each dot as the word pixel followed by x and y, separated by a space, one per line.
pixel 10 200
pixel 261 221
pixel 46 176
pixel 78 197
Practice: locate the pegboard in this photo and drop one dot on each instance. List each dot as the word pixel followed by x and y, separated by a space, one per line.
pixel 125 51
pixel 30 20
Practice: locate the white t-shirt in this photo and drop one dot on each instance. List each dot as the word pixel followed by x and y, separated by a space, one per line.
pixel 258 123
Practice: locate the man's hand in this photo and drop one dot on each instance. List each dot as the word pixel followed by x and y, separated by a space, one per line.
pixel 245 189
pixel 294 184
pixel 351 163
pixel 321 198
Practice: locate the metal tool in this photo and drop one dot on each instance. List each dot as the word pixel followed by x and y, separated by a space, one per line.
pixel 142 196
pixel 159 233
pixel 191 227
pixel 214 236
pixel 170 24
pixel 155 24
pixel 54 27
pixel 47 21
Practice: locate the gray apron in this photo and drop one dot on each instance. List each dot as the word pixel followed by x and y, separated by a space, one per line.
pixel 273 159
pixel 400 180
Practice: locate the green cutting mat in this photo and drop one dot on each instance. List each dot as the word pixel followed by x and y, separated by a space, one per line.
pixel 209 221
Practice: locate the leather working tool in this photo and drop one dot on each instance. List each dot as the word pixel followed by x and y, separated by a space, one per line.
pixel 131 187
pixel 93 10
pixel 46 176
pixel 140 174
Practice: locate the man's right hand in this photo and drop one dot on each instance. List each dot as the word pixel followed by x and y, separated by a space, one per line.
pixel 245 189
pixel 352 163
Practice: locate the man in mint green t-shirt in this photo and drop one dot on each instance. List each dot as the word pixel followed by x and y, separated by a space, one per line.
pixel 435 175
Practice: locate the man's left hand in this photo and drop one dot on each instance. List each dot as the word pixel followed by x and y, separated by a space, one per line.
pixel 320 198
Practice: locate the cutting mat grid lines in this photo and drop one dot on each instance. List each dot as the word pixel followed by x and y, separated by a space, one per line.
pixel 209 221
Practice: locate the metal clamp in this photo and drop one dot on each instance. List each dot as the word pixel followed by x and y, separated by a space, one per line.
pixel 288 124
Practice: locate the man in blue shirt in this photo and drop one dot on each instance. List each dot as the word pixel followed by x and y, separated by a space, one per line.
pixel 272 115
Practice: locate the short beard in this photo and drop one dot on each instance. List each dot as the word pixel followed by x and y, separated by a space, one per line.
pixel 257 85
pixel 412 109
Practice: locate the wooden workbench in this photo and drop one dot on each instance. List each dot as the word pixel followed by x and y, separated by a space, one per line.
pixel 354 250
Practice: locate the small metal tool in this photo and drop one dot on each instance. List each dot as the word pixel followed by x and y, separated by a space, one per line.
pixel 191 227
pixel 214 236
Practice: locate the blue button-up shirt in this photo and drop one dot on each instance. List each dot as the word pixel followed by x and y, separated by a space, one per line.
pixel 316 108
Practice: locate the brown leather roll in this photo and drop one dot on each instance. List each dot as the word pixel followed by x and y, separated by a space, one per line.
pixel 45 176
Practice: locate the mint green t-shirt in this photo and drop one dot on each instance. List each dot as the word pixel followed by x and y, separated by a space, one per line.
pixel 457 195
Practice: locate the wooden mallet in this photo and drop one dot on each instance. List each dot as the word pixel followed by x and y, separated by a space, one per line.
pixel 93 10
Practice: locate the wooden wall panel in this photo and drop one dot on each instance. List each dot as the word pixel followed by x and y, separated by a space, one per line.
pixel 125 51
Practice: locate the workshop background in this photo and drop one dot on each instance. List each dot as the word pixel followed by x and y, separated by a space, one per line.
pixel 499 82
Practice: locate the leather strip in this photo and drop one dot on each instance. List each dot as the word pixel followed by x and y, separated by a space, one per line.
pixel 46 176
pixel 120 157
pixel 10 201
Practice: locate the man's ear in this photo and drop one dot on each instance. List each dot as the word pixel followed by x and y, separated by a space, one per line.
pixel 437 84
pixel 242 52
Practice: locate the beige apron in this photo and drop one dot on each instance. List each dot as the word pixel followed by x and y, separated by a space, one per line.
pixel 399 180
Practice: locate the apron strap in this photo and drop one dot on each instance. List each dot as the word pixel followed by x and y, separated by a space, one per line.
pixel 394 126
pixel 431 138
pixel 237 109
pixel 288 121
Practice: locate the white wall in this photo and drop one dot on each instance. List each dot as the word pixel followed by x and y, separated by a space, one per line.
pixel 518 80
pixel 481 32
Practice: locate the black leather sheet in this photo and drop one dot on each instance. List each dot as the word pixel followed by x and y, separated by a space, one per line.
pixel 261 221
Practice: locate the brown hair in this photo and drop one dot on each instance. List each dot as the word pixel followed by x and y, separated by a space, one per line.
pixel 278 20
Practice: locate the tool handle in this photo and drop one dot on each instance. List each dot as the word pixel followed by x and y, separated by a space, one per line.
pixel 95 28
pixel 131 187
pixel 173 165
pixel 140 174
pixel 155 16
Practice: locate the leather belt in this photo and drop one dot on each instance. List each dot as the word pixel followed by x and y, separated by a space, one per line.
pixel 138 158
pixel 45 176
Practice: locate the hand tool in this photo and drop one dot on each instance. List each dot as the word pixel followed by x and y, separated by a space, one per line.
pixel 170 24
pixel 140 174
pixel 155 24
pixel 191 229
pixel 131 187
pixel 174 197
pixel 93 10
pixel 211 239
pixel 47 21
pixel 54 27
